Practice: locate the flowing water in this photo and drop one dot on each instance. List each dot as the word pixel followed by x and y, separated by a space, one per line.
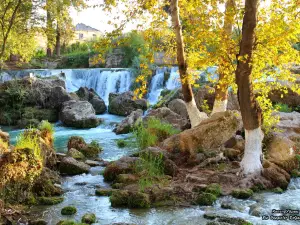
pixel 84 199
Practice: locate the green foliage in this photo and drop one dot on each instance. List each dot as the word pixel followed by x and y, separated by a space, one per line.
pixel 242 193
pixel 121 143
pixel 39 53
pixel 29 140
pixel 151 168
pixel 152 132
pixel 214 189
pixel 283 107
pixel 45 125
pixel 68 210
pixel 75 60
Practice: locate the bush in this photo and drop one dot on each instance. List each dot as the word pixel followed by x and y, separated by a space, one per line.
pixel 152 132
pixel 29 140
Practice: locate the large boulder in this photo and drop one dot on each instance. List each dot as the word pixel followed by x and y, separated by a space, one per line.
pixel 79 114
pixel 71 166
pixel 124 104
pixel 210 133
pixel 91 96
pixel 281 151
pixel 128 123
pixel 168 116
pixel 178 106
pixel 289 124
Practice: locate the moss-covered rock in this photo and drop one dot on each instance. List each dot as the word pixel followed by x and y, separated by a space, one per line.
pixel 214 189
pixel 295 173
pixel 126 178
pixel 89 218
pixel 50 200
pixel 68 210
pixel 206 199
pixel 69 222
pixel 277 190
pixel 104 192
pixel 71 166
pixel 88 150
pixel 242 193
pixel 74 153
pixel 130 199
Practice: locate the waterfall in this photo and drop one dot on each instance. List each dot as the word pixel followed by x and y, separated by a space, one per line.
pixel 103 81
pixel 174 80
pixel 157 85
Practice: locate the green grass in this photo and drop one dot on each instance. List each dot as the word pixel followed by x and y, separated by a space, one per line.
pixel 151 167
pixel 152 132
pixel 28 139
pixel 283 107
pixel 45 125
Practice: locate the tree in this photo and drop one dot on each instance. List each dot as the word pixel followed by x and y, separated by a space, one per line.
pixel 225 64
pixel 250 109
pixel 194 114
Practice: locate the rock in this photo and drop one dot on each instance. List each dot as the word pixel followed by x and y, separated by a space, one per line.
pixel 129 199
pixel 68 210
pixel 51 115
pixel 232 154
pixel 289 124
pixel 104 192
pixel 224 219
pixel 210 133
pixel 277 190
pixel 126 178
pixel 206 199
pixel 242 193
pixel 98 104
pixel 168 116
pixel 128 123
pixel 70 166
pixel 75 154
pixel 214 189
pixel 4 136
pixel 237 142
pixel 38 222
pixel 91 150
pixel 79 114
pixel 277 176
pixel 92 163
pixel 122 166
pixel 25 123
pixel 178 106
pixel 89 218
pixel 60 156
pixel 167 96
pixel 83 93
pixel 124 104
pixel 170 168
pixel 281 151
pixel 295 69
pixel 50 200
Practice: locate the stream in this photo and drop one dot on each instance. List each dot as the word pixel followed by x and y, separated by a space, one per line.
pixel 80 190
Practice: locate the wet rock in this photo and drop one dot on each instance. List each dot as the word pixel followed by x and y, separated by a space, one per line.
pixel 92 163
pixel 210 133
pixel 126 178
pixel 168 116
pixel 75 154
pixel 71 166
pixel 98 104
pixel 256 210
pixel 104 192
pixel 68 210
pixel 178 106
pixel 79 114
pixel 225 219
pixel 91 150
pixel 206 199
pixel 89 218
pixel 277 176
pixel 281 151
pixel 128 123
pixel 130 199
pixel 50 200
pixel 242 193
pixel 231 205
pixel 124 104
pixel 277 190
pixel 121 166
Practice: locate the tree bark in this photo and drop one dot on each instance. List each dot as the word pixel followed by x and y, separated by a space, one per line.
pixel 48 31
pixel 58 39
pixel 194 114
pixel 250 110
pixel 221 93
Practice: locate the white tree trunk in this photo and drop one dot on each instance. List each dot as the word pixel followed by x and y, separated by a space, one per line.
pixel 219 106
pixel 194 114
pixel 251 163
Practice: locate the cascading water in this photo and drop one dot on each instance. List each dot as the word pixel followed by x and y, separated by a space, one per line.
pixel 173 81
pixel 103 81
pixel 157 85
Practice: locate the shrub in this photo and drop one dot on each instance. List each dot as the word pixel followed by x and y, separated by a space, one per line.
pixel 29 140
pixel 152 132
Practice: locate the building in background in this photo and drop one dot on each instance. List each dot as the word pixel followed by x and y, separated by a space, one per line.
pixel 85 33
